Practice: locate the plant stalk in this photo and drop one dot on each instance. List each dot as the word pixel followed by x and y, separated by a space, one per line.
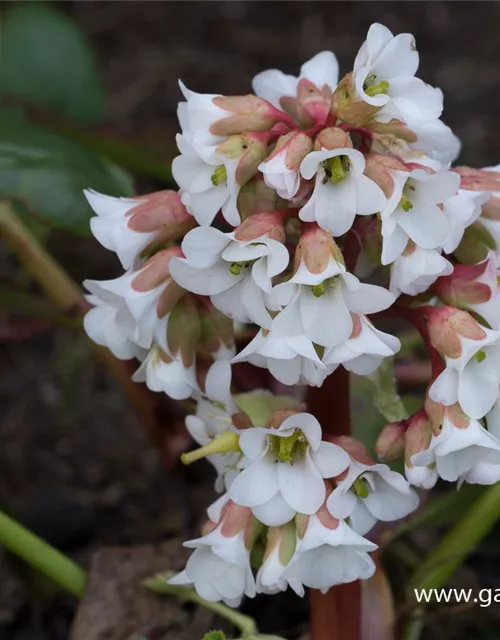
pixel 41 556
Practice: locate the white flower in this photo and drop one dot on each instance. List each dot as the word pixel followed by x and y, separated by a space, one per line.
pixel 198 114
pixel 369 493
pixel 365 349
pixel 341 189
pixel 108 325
pixel 281 546
pixel 421 476
pixel 207 180
pixel 214 409
pixel 330 553
pixel 438 141
pixel 291 360
pixel 413 213
pixel 284 469
pixel 281 169
pixel 462 210
pixel 384 72
pixel 416 269
pixel 311 300
pixel 322 71
pixel 127 226
pixel 463 451
pixel 220 567
pixel 163 373
pixel 471 379
pixel 236 273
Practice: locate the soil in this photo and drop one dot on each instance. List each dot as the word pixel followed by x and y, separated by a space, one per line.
pixel 75 463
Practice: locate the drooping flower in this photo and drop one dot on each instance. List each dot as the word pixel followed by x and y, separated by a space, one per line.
pixel 128 226
pixel 284 467
pixel 321 288
pixel 281 544
pixel 416 269
pixel 330 553
pixel 235 269
pixel 165 373
pixel 341 189
pixel 368 492
pixel 463 450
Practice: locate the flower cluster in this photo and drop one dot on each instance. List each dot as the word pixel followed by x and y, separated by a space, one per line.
pixel 288 198
pixel 295 507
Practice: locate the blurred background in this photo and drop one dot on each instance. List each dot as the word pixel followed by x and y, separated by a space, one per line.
pixel 88 95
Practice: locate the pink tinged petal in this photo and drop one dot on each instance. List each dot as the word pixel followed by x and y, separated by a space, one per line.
pixel 325 319
pixel 307 423
pixel 478 389
pixel 256 484
pixel 444 389
pixel 330 460
pixel 301 485
pixel 341 503
pixel 322 69
pixel 275 512
pixel 371 198
pixel 369 298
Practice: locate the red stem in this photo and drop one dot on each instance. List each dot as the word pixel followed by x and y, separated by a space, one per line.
pixel 337 614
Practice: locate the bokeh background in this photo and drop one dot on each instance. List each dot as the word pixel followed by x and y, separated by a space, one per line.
pixel 76 464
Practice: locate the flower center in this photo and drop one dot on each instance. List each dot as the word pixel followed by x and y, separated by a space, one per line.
pixel 480 356
pixel 219 175
pixel 405 203
pixel 289 449
pixel 361 487
pixel 336 169
pixel 373 88
pixel 319 290
pixel 236 267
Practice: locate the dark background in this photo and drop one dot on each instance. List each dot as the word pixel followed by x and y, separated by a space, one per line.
pixel 75 463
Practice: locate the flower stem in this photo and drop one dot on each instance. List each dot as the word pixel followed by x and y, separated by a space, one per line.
pixel 335 615
pixel 159 584
pixel 41 556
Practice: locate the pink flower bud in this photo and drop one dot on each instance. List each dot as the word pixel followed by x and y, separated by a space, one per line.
pixel 469 285
pixel 348 106
pixel 311 107
pixel 234 518
pixel 456 416
pixel 395 129
pixel 315 249
pixel 248 113
pixel 435 413
pixel 478 179
pixel 354 448
pixel 278 417
pixel 418 435
pixel 249 149
pixel 281 167
pixel 390 443
pixel 447 325
pixel 163 212
pixel 261 224
pixel 257 197
pixel 333 138
pixel 380 168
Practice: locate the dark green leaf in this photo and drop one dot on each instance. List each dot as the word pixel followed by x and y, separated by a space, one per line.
pixel 49 173
pixel 46 60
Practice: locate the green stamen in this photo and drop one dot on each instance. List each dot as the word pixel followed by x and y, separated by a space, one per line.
pixel 381 87
pixel 480 356
pixel 405 204
pixel 289 449
pixel 236 267
pixel 318 290
pixel 219 175
pixel 336 168
pixel 361 487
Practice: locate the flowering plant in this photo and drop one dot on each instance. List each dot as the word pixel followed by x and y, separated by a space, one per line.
pixel 289 199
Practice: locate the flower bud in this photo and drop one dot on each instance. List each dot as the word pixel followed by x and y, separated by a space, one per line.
pixel 379 168
pixel 311 106
pixel 249 149
pixel 281 167
pixel 417 438
pixel 261 224
pixel 315 250
pixel 390 443
pixel 256 197
pixel 217 331
pixel 161 212
pixel 478 179
pixel 278 417
pixel 247 113
pixel 475 243
pixel 447 325
pixel 394 129
pixel 348 106
pixel 354 448
pixel 472 287
pixel 333 138
pixel 456 416
pixel 184 330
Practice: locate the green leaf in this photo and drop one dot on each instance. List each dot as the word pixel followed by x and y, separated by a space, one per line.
pixel 386 397
pixel 260 404
pixel 49 173
pixel 46 60
pixel 215 635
